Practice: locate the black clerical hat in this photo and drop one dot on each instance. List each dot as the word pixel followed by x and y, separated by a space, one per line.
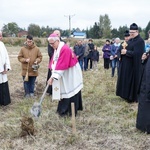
pixel 126 33
pixel 133 26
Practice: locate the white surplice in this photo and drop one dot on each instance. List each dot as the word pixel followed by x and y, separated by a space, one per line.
pixel 4 62
pixel 67 82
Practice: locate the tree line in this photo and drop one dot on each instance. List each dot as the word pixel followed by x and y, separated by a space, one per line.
pixel 100 29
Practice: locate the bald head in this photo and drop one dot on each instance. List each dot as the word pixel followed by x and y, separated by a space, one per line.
pixel 57 32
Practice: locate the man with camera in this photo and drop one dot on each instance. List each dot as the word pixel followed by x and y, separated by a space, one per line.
pixel 30 57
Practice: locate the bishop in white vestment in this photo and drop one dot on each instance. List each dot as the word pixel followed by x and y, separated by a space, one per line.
pixel 66 78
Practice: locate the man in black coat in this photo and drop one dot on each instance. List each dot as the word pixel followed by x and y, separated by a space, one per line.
pixel 125 69
pixel 129 83
pixel 143 115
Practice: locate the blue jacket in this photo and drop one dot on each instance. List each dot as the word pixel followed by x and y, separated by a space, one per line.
pixel 114 49
pixel 147 47
pixel 95 55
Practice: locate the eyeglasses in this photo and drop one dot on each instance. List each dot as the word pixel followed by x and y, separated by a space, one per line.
pixel 132 32
pixel 52 43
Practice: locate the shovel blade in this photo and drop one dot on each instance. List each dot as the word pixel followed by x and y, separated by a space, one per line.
pixel 36 110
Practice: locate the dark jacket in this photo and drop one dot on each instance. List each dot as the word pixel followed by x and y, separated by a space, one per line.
pixel 50 51
pixel 95 55
pixel 79 51
pixel 91 46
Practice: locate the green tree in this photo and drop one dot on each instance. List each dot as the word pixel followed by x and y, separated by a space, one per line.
pixel 96 33
pixel 101 25
pixel 34 30
pixel 121 31
pixel 147 30
pixel 11 29
pixel 45 31
pixel 65 33
pixel 90 32
pixel 87 33
pixel 114 33
pixel 105 26
pixel 142 34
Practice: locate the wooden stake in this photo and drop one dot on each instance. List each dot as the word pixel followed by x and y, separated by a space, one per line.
pixel 73 119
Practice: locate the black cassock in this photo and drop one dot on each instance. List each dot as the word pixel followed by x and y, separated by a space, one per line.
pixel 4 94
pixel 64 105
pixel 130 70
pixel 50 53
pixel 143 115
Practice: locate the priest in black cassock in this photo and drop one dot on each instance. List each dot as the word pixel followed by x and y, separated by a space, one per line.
pixel 50 53
pixel 130 66
pixel 143 115
pixel 4 68
pixel 125 69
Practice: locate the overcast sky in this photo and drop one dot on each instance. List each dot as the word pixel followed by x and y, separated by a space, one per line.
pixel 84 13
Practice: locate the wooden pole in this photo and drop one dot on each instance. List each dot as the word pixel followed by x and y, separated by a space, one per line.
pixel 73 119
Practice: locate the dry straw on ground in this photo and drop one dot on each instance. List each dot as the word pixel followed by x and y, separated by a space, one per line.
pixel 107 122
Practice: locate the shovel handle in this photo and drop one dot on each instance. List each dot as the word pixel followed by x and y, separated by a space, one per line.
pixel 44 93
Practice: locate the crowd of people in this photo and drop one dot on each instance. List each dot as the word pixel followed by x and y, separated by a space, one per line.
pixel 130 57
pixel 87 54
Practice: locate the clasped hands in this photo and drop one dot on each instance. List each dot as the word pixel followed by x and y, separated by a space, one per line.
pixel 144 56
pixel 28 60
pixel 123 51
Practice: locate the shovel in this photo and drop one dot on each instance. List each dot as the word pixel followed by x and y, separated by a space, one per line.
pixel 26 76
pixel 36 108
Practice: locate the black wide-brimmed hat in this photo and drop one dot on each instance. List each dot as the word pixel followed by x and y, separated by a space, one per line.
pixel 133 26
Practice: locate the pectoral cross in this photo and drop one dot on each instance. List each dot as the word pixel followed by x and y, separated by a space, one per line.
pixel 56 88
pixel 124 44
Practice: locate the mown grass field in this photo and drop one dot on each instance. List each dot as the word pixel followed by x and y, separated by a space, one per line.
pixel 106 123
